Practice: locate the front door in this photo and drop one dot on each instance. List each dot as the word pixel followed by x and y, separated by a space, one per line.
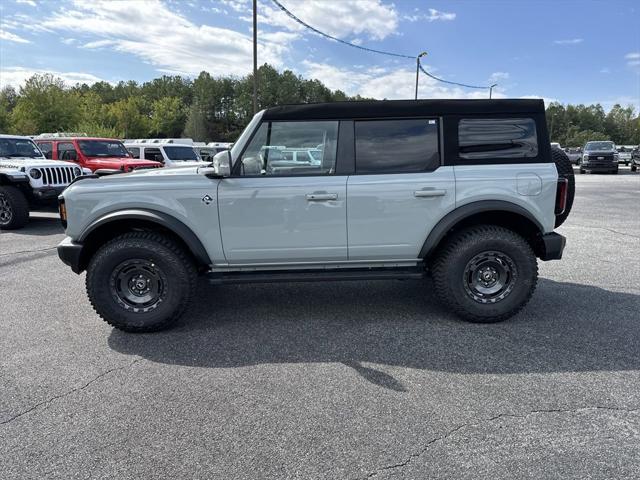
pixel 277 210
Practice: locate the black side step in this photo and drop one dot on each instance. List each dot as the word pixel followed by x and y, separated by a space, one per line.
pixel 274 276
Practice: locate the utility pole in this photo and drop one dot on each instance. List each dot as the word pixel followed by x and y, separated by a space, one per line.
pixel 255 56
pixel 423 54
pixel 491 89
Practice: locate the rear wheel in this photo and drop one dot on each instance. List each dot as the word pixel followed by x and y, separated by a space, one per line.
pixel 14 208
pixel 141 282
pixel 633 168
pixel 485 273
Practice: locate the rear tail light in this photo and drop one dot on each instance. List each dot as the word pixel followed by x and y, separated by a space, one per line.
pixel 561 196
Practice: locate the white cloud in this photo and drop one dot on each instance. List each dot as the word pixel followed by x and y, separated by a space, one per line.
pixel 383 83
pixel 633 59
pixel 431 16
pixel 168 41
pixel 12 37
pixel 16 76
pixel 338 18
pixel 31 3
pixel 498 77
pixel 605 70
pixel 569 41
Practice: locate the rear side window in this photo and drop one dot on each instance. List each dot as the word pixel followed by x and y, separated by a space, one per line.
pixel 67 151
pixel 153 154
pixel 134 151
pixel 396 146
pixel 490 138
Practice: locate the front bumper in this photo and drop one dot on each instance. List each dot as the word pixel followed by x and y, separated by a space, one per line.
pixel 553 246
pixel 71 254
pixel 590 167
pixel 47 193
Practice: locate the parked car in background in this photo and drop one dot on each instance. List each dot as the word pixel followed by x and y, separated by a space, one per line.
pixel 599 156
pixel 105 154
pixel 208 150
pixel 171 152
pixel 624 153
pixel 635 159
pixel 574 154
pixel 29 181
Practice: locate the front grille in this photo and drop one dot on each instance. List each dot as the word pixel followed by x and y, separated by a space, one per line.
pixel 601 158
pixel 57 176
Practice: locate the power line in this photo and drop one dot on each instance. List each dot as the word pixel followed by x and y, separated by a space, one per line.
pixel 382 52
pixel 373 50
pixel 447 81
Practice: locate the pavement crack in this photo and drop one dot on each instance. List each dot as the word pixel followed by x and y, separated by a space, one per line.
pixel 607 229
pixel 70 392
pixel 456 429
pixel 36 250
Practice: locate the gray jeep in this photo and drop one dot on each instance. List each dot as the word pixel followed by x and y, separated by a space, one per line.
pixel 466 191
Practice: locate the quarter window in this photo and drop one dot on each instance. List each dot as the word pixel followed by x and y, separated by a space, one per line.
pixel 495 138
pixel 280 149
pixel 396 146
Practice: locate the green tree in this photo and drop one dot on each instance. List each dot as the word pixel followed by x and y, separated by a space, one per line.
pixel 126 116
pixel 44 105
pixel 168 117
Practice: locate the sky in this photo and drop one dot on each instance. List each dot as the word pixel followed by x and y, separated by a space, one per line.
pixel 568 51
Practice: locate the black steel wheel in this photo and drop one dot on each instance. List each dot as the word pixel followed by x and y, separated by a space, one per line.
pixel 485 273
pixel 141 281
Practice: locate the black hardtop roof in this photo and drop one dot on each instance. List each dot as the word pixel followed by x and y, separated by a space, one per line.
pixel 401 108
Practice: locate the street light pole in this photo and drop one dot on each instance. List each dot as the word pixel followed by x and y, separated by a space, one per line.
pixel 255 56
pixel 423 54
pixel 491 89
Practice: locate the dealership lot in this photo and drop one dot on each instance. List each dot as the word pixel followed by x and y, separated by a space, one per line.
pixel 331 380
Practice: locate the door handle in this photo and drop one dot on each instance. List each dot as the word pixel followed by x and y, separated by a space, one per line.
pixel 429 193
pixel 320 197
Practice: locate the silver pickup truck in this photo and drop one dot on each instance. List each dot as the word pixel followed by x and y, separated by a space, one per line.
pixel 466 191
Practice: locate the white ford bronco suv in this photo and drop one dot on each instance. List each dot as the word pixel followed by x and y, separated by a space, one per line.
pixel 465 191
pixel 28 181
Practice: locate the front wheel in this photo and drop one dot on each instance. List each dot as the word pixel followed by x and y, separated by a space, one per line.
pixel 141 282
pixel 485 274
pixel 633 168
pixel 14 208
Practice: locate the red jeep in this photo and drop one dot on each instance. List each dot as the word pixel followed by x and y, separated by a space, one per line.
pixel 94 153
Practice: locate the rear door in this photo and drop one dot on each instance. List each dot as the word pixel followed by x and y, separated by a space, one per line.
pixel 400 189
pixel 275 211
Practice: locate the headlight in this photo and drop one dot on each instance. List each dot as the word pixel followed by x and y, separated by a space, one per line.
pixel 77 172
pixel 35 173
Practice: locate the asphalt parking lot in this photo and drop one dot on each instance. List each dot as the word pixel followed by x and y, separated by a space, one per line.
pixel 331 380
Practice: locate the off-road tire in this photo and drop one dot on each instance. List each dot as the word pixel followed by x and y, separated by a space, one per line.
pixel 634 168
pixel 449 267
pixel 565 170
pixel 169 260
pixel 18 205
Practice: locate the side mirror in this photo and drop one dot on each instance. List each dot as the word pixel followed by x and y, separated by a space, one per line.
pixel 222 165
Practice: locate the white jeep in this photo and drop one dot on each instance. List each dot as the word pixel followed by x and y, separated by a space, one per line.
pixel 467 191
pixel 28 181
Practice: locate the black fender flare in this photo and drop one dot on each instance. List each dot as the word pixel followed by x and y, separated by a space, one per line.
pixel 454 217
pixel 169 222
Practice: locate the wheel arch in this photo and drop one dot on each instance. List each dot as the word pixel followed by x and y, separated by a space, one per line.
pixel 494 212
pixel 116 223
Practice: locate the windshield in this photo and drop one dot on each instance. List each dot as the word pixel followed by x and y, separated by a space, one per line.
pixel 599 146
pixel 103 148
pixel 181 154
pixel 19 147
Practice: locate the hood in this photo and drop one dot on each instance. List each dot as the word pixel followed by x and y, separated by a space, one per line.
pixel 161 172
pixel 120 160
pixel 27 162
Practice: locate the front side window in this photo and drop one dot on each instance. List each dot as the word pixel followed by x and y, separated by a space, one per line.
pixel 46 148
pixel 396 146
pixel 67 151
pixel 178 154
pixel 496 138
pixel 18 148
pixel 280 148
pixel 102 148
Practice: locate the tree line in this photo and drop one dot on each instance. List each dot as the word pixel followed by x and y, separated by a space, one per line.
pixel 217 108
